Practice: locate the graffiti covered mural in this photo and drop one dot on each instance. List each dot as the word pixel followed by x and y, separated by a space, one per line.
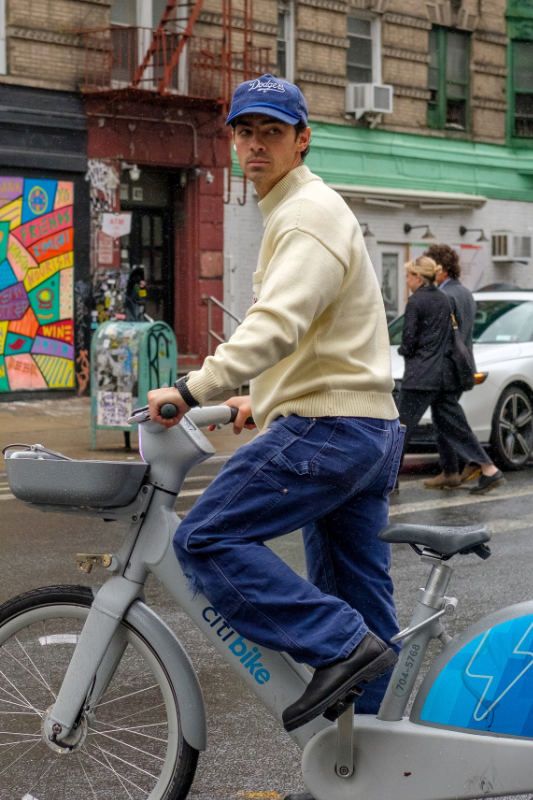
pixel 36 284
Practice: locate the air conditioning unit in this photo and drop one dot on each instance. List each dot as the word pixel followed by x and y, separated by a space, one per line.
pixel 507 246
pixel 364 97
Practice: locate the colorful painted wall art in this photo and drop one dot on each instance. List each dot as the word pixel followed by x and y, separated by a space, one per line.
pixel 36 284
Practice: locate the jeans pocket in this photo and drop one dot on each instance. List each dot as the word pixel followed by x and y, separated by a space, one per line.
pixel 395 459
pixel 303 438
pixel 283 463
pixel 353 455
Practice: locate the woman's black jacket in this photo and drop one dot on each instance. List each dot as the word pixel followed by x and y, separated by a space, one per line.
pixel 427 342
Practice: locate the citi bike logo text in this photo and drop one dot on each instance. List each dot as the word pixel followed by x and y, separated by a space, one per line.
pixel 249 655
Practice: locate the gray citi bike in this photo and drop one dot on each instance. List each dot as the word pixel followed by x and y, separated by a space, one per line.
pixel 98 696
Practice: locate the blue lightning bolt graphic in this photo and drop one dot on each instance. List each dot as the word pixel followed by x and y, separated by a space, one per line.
pixel 480 714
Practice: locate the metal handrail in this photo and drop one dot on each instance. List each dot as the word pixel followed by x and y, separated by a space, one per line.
pixel 211 333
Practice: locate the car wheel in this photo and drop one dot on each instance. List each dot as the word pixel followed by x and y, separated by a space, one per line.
pixel 512 429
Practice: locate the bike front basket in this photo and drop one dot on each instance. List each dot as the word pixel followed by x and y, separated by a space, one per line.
pixel 68 482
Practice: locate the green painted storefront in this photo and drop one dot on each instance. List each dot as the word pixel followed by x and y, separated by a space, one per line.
pixel 346 156
pixel 343 155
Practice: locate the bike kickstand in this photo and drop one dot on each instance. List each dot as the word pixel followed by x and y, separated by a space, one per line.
pixel 345 740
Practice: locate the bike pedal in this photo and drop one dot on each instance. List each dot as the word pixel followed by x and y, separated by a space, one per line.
pixel 338 708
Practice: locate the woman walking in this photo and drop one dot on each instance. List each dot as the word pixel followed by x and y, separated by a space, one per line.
pixel 430 378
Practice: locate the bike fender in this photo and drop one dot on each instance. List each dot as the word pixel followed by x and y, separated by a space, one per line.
pixel 179 668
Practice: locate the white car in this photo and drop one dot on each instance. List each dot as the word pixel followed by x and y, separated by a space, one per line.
pixel 500 408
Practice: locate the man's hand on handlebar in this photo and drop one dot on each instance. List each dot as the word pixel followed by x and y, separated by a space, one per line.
pixel 244 417
pixel 157 398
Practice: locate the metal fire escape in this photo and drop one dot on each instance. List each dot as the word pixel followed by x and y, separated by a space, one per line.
pixel 172 63
pixel 172 59
pixel 169 24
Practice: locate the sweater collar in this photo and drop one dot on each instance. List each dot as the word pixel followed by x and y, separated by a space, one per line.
pixel 292 181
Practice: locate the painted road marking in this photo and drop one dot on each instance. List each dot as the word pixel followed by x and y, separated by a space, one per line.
pixel 446 499
pixel 260 795
pixel 451 500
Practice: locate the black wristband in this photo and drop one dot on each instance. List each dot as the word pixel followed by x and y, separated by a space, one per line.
pixel 181 386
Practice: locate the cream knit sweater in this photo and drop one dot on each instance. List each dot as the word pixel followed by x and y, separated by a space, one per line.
pixel 315 341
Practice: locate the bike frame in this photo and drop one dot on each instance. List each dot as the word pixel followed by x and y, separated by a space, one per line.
pixel 392 756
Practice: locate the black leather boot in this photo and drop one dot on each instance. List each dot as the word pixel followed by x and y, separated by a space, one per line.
pixel 370 659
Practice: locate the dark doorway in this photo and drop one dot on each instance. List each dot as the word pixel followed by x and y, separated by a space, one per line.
pixel 149 245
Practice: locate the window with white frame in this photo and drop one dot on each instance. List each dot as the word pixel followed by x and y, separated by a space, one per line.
pixel 521 95
pixel 3 54
pixel 363 57
pixel 139 13
pixel 132 24
pixel 285 40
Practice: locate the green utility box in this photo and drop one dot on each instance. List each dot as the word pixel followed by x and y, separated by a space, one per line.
pixel 127 360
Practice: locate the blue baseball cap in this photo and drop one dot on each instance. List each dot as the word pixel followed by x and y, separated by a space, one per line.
pixel 269 95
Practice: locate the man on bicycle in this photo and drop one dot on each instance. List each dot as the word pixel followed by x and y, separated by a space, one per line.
pixel 314 348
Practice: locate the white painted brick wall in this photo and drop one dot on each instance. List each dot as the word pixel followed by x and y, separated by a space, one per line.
pixel 243 231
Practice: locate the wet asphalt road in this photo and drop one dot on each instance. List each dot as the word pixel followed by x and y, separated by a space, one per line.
pixel 249 757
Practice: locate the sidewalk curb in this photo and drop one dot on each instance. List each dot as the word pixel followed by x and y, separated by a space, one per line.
pixel 64 424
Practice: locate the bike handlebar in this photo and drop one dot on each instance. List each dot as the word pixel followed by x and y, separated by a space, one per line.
pixel 202 416
pixel 212 415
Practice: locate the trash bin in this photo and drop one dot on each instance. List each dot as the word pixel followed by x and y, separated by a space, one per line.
pixel 127 360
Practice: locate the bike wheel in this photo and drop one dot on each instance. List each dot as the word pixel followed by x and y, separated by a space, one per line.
pixel 130 745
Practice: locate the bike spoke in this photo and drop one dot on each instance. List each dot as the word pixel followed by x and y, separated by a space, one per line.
pixel 16 713
pixel 126 696
pixel 132 746
pixel 133 714
pixel 114 772
pixel 19 663
pixel 127 763
pixel 31 711
pixel 26 736
pixel 140 676
pixel 135 729
pixel 44 772
pixel 22 755
pixel 32 662
pixel 91 787
pixel 25 702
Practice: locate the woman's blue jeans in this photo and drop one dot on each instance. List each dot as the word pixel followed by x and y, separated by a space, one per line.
pixel 330 476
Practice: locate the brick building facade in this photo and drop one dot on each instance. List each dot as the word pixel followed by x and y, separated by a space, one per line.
pixel 453 150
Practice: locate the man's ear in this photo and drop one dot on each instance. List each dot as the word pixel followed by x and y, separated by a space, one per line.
pixel 304 139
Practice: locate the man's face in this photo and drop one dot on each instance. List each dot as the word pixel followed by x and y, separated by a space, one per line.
pixel 267 149
pixel 440 275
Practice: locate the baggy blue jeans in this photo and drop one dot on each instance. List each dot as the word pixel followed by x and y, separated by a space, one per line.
pixel 330 476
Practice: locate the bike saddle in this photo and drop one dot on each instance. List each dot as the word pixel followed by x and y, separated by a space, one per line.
pixel 444 540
